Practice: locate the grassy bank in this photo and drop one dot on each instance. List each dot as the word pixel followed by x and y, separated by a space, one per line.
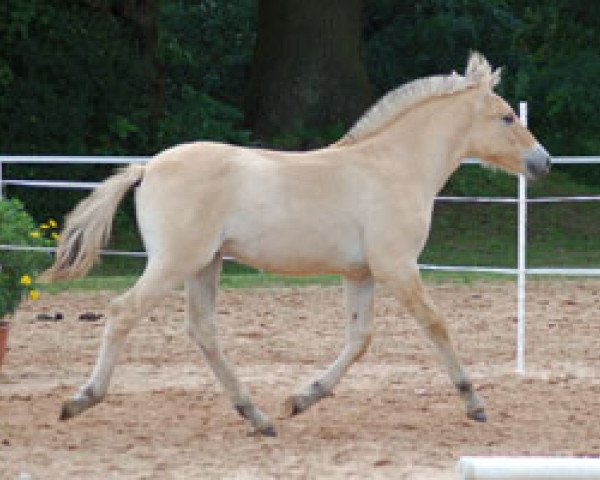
pixel 558 234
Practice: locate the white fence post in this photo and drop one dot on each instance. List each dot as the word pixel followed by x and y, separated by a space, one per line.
pixel 521 257
pixel 531 468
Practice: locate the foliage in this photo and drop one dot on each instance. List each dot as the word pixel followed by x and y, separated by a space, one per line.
pixel 72 84
pixel 407 40
pixel 195 115
pixel 17 268
pixel 205 62
pixel 559 75
pixel 73 81
pixel 308 138
pixel 207 45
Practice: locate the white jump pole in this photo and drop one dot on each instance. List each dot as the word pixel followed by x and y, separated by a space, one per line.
pixel 521 257
pixel 529 468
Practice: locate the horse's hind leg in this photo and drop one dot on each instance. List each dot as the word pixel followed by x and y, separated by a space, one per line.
pixel 409 290
pixel 125 311
pixel 201 292
pixel 359 330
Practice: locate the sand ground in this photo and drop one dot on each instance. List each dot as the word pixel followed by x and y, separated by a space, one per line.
pixel 394 415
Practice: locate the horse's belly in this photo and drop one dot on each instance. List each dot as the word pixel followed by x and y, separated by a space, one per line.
pixel 300 251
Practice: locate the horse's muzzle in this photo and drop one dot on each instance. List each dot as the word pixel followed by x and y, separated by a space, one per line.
pixel 537 162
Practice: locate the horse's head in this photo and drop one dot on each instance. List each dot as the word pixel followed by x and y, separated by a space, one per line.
pixel 497 136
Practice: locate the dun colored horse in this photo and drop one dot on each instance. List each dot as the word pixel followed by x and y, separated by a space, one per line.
pixel 360 208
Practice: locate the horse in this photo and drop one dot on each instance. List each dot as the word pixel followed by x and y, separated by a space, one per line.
pixel 360 208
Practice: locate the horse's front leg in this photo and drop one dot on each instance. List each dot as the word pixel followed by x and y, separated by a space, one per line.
pixel 408 288
pixel 201 290
pixel 359 330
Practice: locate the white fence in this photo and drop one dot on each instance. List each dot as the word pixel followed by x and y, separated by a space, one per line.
pixel 530 468
pixel 520 200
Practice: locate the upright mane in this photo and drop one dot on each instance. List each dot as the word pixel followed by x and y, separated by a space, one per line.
pixel 403 98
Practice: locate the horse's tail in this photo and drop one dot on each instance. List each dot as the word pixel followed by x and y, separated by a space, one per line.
pixel 87 228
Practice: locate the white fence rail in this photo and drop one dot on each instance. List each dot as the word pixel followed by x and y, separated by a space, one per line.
pixel 530 468
pixel 521 200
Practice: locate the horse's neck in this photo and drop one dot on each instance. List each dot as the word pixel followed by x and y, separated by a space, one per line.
pixel 429 141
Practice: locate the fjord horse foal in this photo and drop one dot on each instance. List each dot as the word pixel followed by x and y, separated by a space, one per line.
pixel 360 208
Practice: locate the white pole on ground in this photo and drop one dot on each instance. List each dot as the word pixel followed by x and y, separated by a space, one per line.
pixel 521 257
pixel 530 468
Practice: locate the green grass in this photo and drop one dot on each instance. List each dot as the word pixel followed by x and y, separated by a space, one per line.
pixel 562 234
pixel 113 282
pixel 255 279
pixel 272 280
pixel 228 280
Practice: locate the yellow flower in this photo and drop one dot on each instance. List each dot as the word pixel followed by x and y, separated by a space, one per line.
pixel 55 236
pixel 34 294
pixel 44 226
pixel 52 223
pixel 34 234
pixel 25 280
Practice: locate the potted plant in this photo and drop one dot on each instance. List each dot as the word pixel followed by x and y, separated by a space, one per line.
pixel 19 267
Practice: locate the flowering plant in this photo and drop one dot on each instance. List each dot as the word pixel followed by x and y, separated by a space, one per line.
pixel 19 267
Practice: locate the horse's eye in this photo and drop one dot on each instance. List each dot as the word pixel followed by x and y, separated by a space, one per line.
pixel 508 119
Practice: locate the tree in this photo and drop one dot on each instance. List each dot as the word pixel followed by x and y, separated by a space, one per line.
pixel 307 70
pixel 560 41
pixel 142 18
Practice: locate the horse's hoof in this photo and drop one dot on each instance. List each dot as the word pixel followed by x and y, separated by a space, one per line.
pixel 81 402
pixel 478 416
pixel 269 431
pixel 296 409
pixel 67 412
pixel 293 406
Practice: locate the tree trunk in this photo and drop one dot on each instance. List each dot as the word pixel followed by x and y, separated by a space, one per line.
pixel 307 69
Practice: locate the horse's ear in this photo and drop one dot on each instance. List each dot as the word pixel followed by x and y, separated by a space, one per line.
pixel 478 68
pixel 496 77
pixel 480 72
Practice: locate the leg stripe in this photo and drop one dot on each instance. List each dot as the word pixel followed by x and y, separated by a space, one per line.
pixel 244 410
pixel 464 387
